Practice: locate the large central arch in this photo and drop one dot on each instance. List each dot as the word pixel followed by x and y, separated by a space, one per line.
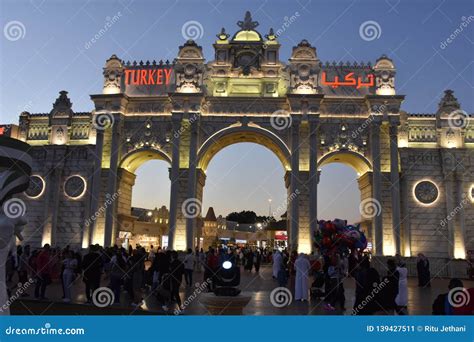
pixel 240 133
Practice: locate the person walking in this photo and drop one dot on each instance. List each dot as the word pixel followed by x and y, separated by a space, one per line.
pixel 92 271
pixel 189 262
pixel 175 277
pixel 44 263
pixel 257 260
pixel 423 268
pixel 402 297
pixel 302 267
pixel 69 274
pixel 118 268
pixel 277 260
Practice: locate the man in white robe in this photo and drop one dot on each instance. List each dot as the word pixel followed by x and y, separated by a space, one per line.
pixel 276 263
pixel 302 267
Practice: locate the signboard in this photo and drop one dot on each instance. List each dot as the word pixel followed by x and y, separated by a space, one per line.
pixel 343 80
pixel 143 80
pixel 281 235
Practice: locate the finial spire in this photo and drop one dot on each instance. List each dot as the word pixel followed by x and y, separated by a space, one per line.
pixel 247 24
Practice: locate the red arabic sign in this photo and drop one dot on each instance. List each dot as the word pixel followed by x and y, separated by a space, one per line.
pixel 348 81
pixel 149 76
pixel 281 235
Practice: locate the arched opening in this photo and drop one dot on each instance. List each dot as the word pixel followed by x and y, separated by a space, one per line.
pixel 142 209
pixel 245 171
pixel 344 183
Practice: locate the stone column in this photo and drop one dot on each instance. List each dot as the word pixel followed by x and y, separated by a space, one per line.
pixel 314 178
pixel 174 176
pixel 110 231
pixel 448 189
pixel 377 187
pixel 395 186
pixel 191 221
pixel 90 226
pixel 200 182
pixel 294 184
pixel 406 217
pixel 460 235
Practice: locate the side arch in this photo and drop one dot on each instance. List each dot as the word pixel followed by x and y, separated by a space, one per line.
pixel 132 160
pixel 355 160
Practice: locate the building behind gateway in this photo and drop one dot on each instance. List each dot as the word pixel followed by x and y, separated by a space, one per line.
pixel 416 171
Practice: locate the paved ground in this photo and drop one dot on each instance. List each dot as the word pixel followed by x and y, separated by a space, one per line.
pixel 259 286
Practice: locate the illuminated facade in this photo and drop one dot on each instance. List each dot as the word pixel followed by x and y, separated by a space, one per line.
pixel 414 170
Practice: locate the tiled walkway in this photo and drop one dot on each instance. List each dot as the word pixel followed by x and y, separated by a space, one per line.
pixel 258 285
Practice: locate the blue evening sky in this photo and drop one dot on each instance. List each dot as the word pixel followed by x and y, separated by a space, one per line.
pixel 51 55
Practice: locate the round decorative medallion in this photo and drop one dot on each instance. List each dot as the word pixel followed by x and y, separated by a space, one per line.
pixel 426 192
pixel 36 187
pixel 75 187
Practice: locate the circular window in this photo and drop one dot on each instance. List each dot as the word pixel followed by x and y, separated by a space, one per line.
pixel 75 187
pixel 426 192
pixel 36 187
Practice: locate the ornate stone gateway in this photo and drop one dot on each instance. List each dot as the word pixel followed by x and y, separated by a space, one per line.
pixel 416 171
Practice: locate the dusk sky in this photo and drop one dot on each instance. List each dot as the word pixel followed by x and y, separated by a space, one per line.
pixel 54 53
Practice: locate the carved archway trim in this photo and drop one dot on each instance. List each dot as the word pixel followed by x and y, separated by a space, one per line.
pixel 353 159
pixel 134 159
pixel 236 134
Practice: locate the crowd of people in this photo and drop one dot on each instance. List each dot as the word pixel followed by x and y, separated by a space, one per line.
pixel 160 273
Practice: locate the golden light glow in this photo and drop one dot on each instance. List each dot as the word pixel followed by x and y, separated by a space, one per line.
pixel 233 135
pixel 385 91
pixel 471 193
pixel 353 159
pixel 388 250
pixel 426 204
pixel 459 252
pixel 133 160
pixel 304 245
